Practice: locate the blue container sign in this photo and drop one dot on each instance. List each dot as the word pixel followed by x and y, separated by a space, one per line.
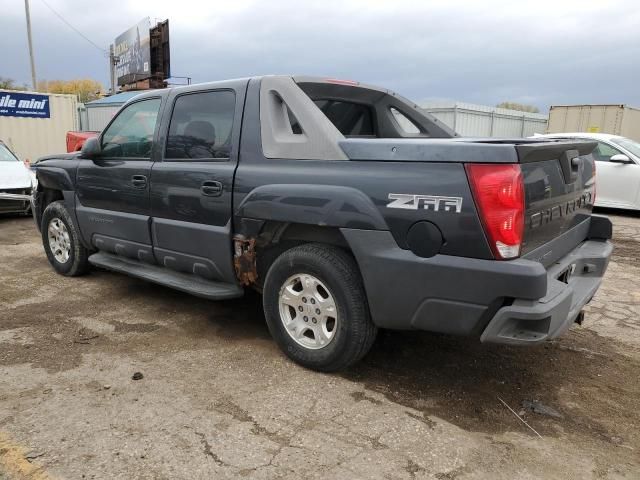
pixel 13 104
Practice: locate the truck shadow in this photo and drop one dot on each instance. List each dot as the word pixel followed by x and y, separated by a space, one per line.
pixel 239 319
pixel 461 381
pixel 581 375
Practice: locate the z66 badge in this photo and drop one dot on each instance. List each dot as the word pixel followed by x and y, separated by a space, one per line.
pixel 436 203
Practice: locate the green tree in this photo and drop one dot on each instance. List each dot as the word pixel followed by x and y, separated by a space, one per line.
pixel 10 84
pixel 518 106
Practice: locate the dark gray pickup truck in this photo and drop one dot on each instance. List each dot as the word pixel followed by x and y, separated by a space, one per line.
pixel 344 204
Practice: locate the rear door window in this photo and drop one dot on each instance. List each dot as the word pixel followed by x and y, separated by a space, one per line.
pixel 351 119
pixel 201 126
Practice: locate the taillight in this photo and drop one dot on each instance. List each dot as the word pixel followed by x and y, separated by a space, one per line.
pixel 341 82
pixel 499 194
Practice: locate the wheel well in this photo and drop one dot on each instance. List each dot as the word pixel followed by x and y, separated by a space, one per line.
pixel 275 238
pixel 47 195
pixel 302 233
pixel 50 195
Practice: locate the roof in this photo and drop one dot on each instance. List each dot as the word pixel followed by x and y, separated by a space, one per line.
pixel 595 136
pixel 117 99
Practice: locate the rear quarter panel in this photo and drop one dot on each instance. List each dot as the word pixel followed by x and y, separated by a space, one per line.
pixel 356 195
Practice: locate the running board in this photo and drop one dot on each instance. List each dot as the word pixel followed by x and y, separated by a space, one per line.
pixel 198 286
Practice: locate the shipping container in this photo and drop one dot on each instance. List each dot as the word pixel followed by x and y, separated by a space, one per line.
pixel 100 112
pixel 470 120
pixel 29 136
pixel 613 119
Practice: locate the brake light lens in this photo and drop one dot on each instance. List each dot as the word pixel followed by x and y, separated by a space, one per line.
pixel 341 82
pixel 498 190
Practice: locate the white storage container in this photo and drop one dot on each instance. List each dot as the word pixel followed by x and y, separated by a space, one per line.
pixel 613 119
pixel 470 120
pixel 31 138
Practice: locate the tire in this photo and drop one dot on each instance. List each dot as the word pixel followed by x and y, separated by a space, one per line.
pixel 331 276
pixel 57 218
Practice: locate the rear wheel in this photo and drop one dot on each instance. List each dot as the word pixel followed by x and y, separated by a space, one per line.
pixel 61 241
pixel 316 307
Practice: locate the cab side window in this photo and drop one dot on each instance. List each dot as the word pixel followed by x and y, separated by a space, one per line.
pixel 130 135
pixel 604 152
pixel 352 119
pixel 201 126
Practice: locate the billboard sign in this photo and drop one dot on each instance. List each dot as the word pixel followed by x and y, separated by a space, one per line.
pixel 15 104
pixel 133 51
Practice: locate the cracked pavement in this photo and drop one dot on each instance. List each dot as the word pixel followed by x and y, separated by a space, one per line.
pixel 219 400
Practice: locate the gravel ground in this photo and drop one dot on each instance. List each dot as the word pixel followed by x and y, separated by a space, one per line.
pixel 218 400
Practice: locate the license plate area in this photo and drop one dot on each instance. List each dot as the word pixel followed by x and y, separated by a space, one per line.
pixel 566 274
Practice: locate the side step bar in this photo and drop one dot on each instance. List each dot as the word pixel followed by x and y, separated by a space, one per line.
pixel 198 286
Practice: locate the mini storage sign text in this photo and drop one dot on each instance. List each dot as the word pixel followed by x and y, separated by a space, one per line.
pixel 13 104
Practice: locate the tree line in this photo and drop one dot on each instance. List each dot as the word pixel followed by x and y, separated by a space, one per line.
pixel 85 88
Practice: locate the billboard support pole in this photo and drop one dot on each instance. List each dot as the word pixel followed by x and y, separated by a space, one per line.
pixel 33 63
pixel 112 69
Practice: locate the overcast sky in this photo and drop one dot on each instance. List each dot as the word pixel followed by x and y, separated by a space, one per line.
pixel 542 53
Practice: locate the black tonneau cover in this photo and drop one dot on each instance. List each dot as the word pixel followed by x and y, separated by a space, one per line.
pixel 461 150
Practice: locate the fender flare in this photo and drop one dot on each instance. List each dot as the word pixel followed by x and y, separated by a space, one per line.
pixel 321 205
pixel 56 178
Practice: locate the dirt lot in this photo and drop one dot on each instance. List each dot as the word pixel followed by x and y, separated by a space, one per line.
pixel 218 400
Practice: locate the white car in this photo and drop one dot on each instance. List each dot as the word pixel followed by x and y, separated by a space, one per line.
pixel 617 168
pixel 16 183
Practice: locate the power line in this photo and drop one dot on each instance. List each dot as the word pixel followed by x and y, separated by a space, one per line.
pixel 73 28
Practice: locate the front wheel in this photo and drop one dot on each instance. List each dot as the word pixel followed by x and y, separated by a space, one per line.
pixel 61 241
pixel 316 307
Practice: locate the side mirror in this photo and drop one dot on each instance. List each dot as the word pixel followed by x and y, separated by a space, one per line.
pixel 620 158
pixel 91 148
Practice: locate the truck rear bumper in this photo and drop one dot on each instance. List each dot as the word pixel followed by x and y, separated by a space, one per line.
pixel 517 301
pixel 571 283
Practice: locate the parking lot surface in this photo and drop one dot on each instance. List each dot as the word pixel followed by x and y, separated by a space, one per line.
pixel 217 399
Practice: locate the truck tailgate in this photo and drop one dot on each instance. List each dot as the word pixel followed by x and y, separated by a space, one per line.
pixel 559 183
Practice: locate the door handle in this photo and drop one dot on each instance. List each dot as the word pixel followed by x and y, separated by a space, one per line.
pixel 211 188
pixel 139 181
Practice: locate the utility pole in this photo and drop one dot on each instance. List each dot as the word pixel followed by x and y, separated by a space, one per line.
pixel 113 60
pixel 33 64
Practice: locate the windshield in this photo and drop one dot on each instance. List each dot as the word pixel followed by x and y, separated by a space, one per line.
pixel 628 144
pixel 6 155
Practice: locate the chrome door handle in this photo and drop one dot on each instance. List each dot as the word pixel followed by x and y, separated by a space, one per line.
pixel 211 188
pixel 139 181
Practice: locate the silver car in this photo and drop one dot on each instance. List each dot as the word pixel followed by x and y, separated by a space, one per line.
pixel 16 183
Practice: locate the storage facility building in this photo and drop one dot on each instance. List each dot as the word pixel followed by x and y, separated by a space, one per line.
pixel 97 114
pixel 471 120
pixel 614 119
pixel 35 124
